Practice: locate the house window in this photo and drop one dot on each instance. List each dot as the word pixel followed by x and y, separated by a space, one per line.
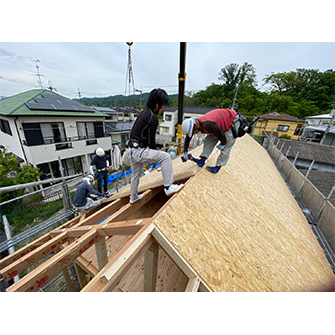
pixel 298 130
pixel 90 130
pixel 44 133
pixel 5 127
pixel 168 117
pixel 53 132
pixel 283 127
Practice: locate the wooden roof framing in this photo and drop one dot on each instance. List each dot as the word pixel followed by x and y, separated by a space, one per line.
pixel 238 230
pixel 71 240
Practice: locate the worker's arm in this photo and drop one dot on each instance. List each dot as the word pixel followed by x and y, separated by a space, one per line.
pixel 92 190
pixel 213 129
pixel 187 143
pixel 91 170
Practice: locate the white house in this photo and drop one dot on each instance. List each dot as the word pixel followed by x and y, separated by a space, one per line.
pixel 39 126
pixel 170 118
pixel 320 128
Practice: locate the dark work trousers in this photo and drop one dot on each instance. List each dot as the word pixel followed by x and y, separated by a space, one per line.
pixel 102 176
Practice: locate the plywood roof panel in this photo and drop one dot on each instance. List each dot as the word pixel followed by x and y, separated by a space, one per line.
pixel 242 230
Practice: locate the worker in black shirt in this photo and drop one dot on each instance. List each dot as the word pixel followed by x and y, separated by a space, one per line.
pixel 82 199
pixel 142 146
pixel 101 164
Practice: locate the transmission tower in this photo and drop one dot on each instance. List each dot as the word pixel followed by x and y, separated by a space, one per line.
pixel 38 73
pixel 129 74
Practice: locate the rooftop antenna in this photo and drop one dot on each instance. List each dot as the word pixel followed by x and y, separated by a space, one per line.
pixel 50 86
pixel 38 73
pixel 129 74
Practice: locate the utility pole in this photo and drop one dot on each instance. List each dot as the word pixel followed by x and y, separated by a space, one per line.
pixel 79 94
pixel 181 80
pixel 140 91
pixel 233 105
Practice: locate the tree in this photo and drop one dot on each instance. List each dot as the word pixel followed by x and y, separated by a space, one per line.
pixel 305 86
pixel 11 173
pixel 234 74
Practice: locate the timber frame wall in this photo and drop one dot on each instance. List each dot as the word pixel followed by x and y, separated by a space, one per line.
pixel 67 243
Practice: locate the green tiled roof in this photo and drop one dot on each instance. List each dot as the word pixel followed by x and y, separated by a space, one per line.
pixel 15 106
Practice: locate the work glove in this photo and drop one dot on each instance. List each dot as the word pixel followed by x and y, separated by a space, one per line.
pixel 185 157
pixel 107 196
pixel 107 167
pixel 95 177
pixel 220 146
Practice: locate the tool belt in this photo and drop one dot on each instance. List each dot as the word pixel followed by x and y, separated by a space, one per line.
pixel 100 170
pixel 132 143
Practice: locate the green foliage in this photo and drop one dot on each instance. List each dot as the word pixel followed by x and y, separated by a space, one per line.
pixel 11 173
pixel 21 218
pixel 285 137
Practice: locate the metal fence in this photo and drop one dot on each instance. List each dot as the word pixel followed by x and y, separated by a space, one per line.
pixel 317 208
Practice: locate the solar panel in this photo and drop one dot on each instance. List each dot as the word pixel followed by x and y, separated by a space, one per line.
pixel 58 103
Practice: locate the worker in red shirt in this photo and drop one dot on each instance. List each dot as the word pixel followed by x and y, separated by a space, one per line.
pixel 217 125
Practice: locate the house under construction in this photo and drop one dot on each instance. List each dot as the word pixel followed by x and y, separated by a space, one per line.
pixel 238 230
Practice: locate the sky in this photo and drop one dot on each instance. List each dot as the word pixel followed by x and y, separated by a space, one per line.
pixel 99 69
pixel 80 45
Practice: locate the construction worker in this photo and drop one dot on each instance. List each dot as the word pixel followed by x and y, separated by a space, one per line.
pixel 101 164
pixel 217 125
pixel 142 146
pixel 82 199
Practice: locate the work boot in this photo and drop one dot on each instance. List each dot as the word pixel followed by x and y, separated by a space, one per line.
pixel 172 189
pixel 213 169
pixel 139 197
pixel 200 161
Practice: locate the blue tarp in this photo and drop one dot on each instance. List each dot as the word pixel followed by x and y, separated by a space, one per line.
pixel 113 177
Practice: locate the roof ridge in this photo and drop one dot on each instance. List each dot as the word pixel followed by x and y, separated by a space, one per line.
pixel 43 90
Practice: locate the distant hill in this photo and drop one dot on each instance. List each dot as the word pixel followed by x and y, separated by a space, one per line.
pixel 122 101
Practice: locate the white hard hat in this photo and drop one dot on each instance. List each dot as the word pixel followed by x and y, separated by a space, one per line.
pixel 88 178
pixel 187 126
pixel 100 152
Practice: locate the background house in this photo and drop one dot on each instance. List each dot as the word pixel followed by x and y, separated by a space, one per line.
pixel 119 122
pixel 279 124
pixel 320 129
pixel 168 128
pixel 39 126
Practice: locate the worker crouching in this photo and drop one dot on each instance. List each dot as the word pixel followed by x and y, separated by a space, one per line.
pixel 217 124
pixel 82 199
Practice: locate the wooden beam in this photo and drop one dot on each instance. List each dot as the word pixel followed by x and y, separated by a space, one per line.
pixel 87 266
pixel 23 251
pixel 111 229
pixel 43 273
pixel 204 288
pixel 101 252
pixel 69 282
pixel 150 268
pixel 121 262
pixel 81 275
pixel 32 257
pixel 123 213
pixel 193 284
pixel 33 245
pixel 127 255
pixel 175 255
